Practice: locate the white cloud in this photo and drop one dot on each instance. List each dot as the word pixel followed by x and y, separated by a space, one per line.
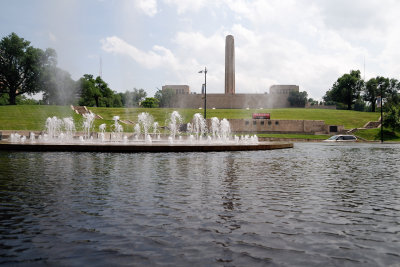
pixel 128 8
pixel 183 6
pixel 149 7
pixel 155 58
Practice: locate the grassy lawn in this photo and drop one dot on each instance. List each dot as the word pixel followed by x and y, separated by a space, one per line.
pixel 375 135
pixel 23 117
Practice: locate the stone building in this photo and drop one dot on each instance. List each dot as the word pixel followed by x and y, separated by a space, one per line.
pixel 283 89
pixel 179 89
pixel 277 97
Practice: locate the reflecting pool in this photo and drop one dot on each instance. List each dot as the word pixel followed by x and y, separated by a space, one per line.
pixel 334 204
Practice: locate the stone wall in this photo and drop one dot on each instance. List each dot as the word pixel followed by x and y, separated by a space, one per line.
pixel 282 126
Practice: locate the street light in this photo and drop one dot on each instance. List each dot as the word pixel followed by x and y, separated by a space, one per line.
pixel 205 91
pixel 380 85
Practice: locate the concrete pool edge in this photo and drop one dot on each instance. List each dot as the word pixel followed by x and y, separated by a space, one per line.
pixel 135 148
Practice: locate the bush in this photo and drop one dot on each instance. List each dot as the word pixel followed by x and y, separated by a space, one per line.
pixel 23 100
pixel 150 102
pixel 4 100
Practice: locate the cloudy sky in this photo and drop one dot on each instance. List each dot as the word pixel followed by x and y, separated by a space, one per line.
pixel 149 43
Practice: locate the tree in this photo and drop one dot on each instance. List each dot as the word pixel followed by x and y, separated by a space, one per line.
pixel 373 89
pixel 165 97
pixel 21 66
pixel 371 92
pixel 359 105
pixel 346 89
pixel 132 99
pixel 90 94
pixel 391 119
pixel 392 94
pixel 150 102
pixel 297 99
pixel 106 94
pixel 116 100
pixel 312 102
pixel 95 92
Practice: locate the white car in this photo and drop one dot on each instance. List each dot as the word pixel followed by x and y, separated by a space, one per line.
pixel 342 138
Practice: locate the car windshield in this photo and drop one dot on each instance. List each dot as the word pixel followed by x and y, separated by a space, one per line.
pixel 333 137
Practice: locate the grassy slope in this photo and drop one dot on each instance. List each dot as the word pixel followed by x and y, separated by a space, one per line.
pixel 23 117
pixel 33 117
pixel 375 134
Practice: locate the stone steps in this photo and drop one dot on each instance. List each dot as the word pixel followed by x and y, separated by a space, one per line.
pixel 82 110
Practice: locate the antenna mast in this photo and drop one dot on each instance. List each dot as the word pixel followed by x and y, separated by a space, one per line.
pixel 101 68
pixel 364 68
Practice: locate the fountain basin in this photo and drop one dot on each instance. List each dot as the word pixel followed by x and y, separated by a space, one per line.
pixel 139 148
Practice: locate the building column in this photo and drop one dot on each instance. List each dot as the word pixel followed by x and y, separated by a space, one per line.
pixel 229 65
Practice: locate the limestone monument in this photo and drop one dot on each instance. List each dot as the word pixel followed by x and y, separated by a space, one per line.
pixel 229 65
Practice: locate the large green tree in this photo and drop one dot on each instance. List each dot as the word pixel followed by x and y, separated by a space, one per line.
pixel 373 89
pixel 90 94
pixel 21 66
pixel 297 99
pixel 391 118
pixel 392 93
pixel 346 89
pixel 95 92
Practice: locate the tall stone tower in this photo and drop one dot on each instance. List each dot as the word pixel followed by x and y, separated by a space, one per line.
pixel 229 65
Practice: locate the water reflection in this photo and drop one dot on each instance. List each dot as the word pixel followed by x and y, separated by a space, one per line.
pixel 311 205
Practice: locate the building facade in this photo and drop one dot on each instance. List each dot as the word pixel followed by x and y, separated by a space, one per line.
pixel 277 98
pixel 179 89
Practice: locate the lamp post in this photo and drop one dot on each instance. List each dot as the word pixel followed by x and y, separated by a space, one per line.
pixel 205 91
pixel 381 113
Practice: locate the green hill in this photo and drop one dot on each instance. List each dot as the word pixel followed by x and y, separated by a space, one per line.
pixel 24 117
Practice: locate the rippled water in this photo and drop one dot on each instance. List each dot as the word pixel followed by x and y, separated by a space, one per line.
pixel 312 205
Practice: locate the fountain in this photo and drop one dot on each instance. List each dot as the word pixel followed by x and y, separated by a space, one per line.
pixel 117 129
pixel 173 123
pixel 102 129
pixel 198 126
pixel 200 135
pixel 88 125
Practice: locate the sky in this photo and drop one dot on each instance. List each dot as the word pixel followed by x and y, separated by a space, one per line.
pixel 150 43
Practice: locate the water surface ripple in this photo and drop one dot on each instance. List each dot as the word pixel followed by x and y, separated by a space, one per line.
pixel 315 204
